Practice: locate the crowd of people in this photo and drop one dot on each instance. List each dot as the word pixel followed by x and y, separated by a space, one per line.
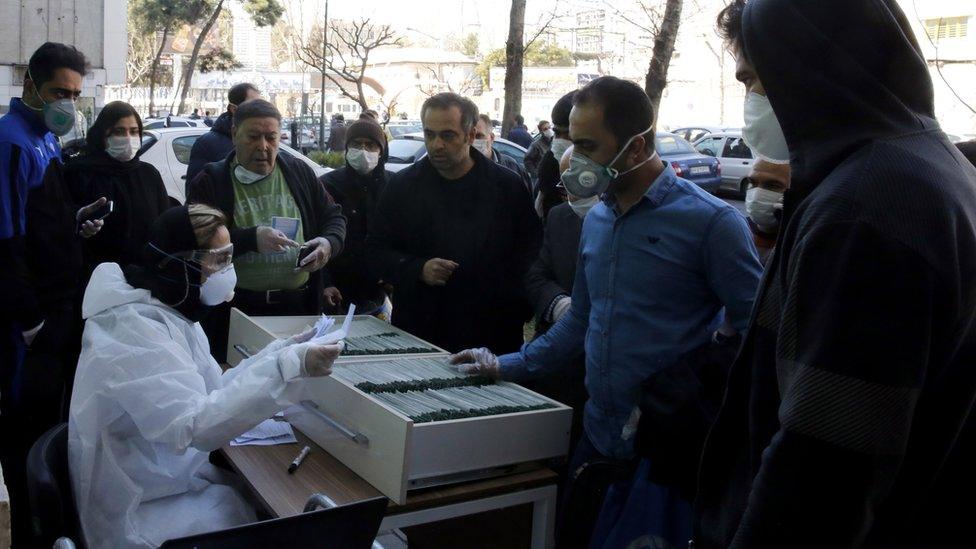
pixel 799 376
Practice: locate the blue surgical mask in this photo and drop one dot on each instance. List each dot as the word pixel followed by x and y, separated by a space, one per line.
pixel 762 132
pixel 586 178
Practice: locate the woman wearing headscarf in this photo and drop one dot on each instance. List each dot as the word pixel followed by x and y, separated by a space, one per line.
pixel 150 403
pixel 110 167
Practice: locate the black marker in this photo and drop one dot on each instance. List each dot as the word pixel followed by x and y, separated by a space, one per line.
pixel 298 460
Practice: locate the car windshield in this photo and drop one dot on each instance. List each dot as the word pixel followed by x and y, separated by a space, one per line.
pixel 396 130
pixel 672 144
pixel 405 151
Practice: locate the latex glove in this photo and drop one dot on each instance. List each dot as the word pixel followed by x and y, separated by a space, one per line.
pixel 438 271
pixel 29 335
pixel 318 257
pixel 561 307
pixel 272 240
pixel 300 338
pixel 332 295
pixel 319 359
pixel 90 228
pixel 477 362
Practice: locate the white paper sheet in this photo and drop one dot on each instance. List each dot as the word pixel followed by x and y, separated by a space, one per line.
pixel 267 433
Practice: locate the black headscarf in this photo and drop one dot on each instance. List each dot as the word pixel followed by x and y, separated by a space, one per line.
pixel 173 281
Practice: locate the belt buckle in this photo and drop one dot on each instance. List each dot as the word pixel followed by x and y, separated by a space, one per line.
pixel 267 297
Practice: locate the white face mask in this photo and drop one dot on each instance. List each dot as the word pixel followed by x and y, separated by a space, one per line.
pixel 559 147
pixel 482 146
pixel 762 132
pixel 761 207
pixel 246 176
pixel 122 147
pixel 362 161
pixel 582 206
pixel 218 287
pixel 548 133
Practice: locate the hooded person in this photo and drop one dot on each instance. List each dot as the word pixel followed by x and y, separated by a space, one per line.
pixel 110 167
pixel 848 418
pixel 150 403
pixel 357 188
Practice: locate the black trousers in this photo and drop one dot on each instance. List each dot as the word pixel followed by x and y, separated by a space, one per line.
pixel 35 391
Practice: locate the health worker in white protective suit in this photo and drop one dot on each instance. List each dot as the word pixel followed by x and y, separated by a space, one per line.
pixel 150 403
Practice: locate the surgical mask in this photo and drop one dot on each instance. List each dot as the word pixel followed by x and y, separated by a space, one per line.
pixel 761 207
pixel 246 176
pixel 59 115
pixel 762 132
pixel 362 161
pixel 585 177
pixel 122 147
pixel 548 133
pixel 482 146
pixel 218 287
pixel 582 206
pixel 559 147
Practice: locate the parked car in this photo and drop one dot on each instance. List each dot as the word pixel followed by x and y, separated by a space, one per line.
pixel 168 150
pixel 736 158
pixel 174 122
pixel 398 128
pixel 692 134
pixel 410 147
pixel 704 171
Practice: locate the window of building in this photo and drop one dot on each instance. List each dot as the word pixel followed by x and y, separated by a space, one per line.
pixel 947 27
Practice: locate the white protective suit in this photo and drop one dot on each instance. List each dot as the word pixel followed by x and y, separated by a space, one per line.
pixel 149 403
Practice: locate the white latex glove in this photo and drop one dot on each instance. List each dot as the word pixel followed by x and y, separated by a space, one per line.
pixel 29 335
pixel 300 338
pixel 477 362
pixel 561 307
pixel 272 240
pixel 319 359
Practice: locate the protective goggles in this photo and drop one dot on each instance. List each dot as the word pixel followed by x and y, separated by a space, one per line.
pixel 209 260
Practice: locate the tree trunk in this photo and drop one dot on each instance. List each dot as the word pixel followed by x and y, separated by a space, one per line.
pixel 154 73
pixel 657 72
pixel 514 57
pixel 192 63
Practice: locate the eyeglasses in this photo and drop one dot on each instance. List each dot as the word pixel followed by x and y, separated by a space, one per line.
pixel 211 260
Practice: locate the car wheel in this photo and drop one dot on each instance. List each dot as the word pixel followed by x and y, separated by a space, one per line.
pixel 743 187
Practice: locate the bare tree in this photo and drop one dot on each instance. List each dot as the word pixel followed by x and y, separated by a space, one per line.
pixel 440 82
pixel 514 58
pixel 187 75
pixel 347 54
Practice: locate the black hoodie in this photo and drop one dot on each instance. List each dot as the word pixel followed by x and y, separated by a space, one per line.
pixel 847 422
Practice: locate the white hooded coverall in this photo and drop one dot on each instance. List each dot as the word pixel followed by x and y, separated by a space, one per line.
pixel 149 404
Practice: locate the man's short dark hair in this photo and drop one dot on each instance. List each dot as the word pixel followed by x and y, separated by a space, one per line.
pixel 446 100
pixel 627 110
pixel 238 93
pixel 729 23
pixel 560 111
pixel 255 108
pixel 519 119
pixel 52 56
pixel 542 123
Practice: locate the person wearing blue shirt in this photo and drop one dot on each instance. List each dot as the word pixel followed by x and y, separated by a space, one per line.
pixel 662 263
pixel 41 257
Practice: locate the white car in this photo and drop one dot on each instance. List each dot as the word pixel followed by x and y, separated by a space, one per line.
pixel 736 158
pixel 168 150
pixel 174 122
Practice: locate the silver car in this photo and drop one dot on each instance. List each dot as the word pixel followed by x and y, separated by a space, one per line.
pixel 735 156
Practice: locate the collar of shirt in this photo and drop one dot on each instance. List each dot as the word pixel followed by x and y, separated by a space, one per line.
pixel 655 194
pixel 30 116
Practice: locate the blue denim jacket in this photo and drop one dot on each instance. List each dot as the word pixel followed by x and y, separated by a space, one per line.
pixel 651 285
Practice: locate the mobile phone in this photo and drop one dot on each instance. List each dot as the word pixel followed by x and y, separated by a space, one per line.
pixel 302 254
pixel 102 212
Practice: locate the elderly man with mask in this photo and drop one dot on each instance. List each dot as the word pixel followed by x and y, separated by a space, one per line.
pixel 484 139
pixel 150 404
pixel 272 203
pixel 848 419
pixel 661 264
pixel 357 188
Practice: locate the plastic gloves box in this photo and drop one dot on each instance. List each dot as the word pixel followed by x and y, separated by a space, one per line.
pixel 369 414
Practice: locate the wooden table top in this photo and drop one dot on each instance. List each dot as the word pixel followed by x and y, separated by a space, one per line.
pixel 265 469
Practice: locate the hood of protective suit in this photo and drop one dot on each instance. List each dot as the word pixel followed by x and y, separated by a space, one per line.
pixel 108 288
pixel 834 87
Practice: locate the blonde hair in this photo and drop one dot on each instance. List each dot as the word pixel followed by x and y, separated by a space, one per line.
pixel 205 221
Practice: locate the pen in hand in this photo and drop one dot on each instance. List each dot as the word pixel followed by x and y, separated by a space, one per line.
pixel 298 460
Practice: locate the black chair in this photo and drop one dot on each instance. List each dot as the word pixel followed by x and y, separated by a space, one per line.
pixel 52 504
pixel 352 526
